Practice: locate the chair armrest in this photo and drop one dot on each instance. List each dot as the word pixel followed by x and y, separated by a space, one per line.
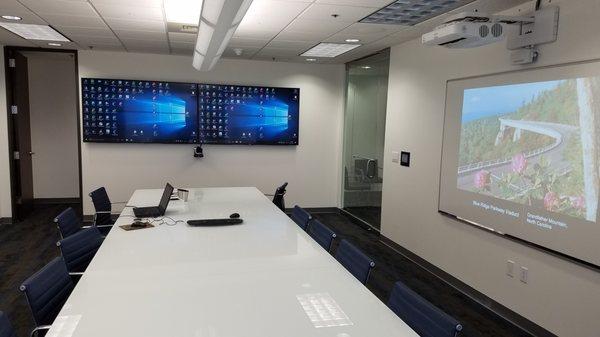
pixel 118 202
pixel 99 226
pixel 35 331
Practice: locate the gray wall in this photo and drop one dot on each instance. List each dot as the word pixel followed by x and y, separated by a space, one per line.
pixel 53 111
pixel 311 168
pixel 560 296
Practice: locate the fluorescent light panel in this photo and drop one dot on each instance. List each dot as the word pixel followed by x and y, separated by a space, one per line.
pixel 324 49
pixel 412 12
pixel 183 11
pixel 34 32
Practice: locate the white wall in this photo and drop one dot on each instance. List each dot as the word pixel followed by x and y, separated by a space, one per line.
pixel 53 111
pixel 5 203
pixel 311 168
pixel 560 296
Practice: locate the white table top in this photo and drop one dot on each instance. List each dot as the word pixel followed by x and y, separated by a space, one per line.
pixel 264 278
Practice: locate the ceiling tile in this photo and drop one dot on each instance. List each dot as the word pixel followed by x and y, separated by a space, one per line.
pixel 95 40
pixel 365 32
pixel 292 45
pixel 278 52
pixel 325 27
pixel 74 21
pixel 248 33
pixel 82 31
pixel 261 15
pixel 182 45
pixel 302 36
pixel 60 7
pixel 144 25
pixel 246 53
pixel 182 37
pixel 26 16
pixel 360 3
pixel 12 5
pixel 140 3
pixel 141 35
pixel 237 42
pixel 149 50
pixel 129 12
pixel 346 13
pixel 135 43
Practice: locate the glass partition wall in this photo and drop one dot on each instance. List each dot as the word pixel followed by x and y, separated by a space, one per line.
pixel 364 136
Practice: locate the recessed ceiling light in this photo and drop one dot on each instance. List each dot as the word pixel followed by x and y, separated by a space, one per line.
pixel 34 32
pixel 329 49
pixel 54 44
pixel 311 60
pixel 183 11
pixel 352 40
pixel 12 17
pixel 366 67
pixel 412 12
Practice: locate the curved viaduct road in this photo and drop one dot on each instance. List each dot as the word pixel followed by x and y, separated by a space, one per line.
pixel 561 132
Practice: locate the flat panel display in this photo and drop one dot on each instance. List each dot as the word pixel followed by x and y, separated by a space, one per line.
pixel 237 114
pixel 521 156
pixel 134 111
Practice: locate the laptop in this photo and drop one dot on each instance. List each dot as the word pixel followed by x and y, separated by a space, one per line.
pixel 155 211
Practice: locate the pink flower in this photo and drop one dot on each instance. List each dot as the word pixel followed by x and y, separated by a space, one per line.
pixel 519 163
pixel 578 202
pixel 482 179
pixel 550 201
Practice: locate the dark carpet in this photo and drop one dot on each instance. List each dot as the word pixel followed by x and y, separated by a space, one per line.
pixel 371 215
pixel 392 266
pixel 28 245
pixel 25 247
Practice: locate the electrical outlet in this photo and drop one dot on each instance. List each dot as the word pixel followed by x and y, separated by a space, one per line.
pixel 395 157
pixel 510 268
pixel 524 274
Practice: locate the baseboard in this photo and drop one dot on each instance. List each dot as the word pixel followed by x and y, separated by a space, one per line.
pixel 55 201
pixel 486 302
pixel 6 221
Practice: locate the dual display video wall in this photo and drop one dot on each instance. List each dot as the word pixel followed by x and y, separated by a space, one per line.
pixel 133 111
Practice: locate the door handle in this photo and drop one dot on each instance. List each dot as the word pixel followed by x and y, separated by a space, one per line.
pixel 31 153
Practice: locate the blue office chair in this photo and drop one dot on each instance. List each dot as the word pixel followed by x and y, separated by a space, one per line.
pixel 301 217
pixel 422 316
pixel 355 261
pixel 322 234
pixel 68 223
pixel 103 207
pixel 6 329
pixel 79 249
pixel 47 291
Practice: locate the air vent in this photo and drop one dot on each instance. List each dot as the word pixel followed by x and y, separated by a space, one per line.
pixel 497 30
pixel 484 31
pixel 412 12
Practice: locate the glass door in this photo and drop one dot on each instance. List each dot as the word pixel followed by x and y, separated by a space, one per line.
pixel 364 137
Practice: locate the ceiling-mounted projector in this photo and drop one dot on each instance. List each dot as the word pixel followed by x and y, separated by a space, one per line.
pixel 465 33
pixel 474 29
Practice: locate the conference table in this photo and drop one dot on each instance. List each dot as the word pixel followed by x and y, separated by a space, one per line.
pixel 263 278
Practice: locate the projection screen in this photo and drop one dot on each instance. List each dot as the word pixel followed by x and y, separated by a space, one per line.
pixel 521 154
